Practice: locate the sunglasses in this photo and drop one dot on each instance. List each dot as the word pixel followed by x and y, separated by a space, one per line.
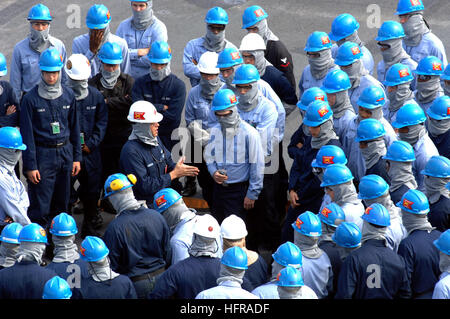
pixel 244 87
pixel 224 114
pixel 384 45
pixel 313 54
pixel 423 77
pixel 216 27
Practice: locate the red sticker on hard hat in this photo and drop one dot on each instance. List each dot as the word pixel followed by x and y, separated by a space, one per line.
pixel 322 111
pixel 160 200
pixel 403 73
pixel 169 49
pixel 380 99
pixel 407 203
pixel 448 111
pixel 298 223
pixel 82 250
pixel 108 15
pixel 258 13
pixel 210 228
pixel 355 50
pixel 325 211
pixel 233 99
pixel 88 63
pixel 327 159
pixel 60 56
pixel 437 66
pixel 325 40
pixel 139 116
pixel 415 3
pixel 367 212
pixel 42 231
pixel 320 97
pixel 278 276
pixel 235 55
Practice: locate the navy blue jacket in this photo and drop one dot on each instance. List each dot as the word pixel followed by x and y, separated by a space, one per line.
pixel 373 271
pixel 24 280
pixel 8 98
pixel 397 195
pixel 379 169
pixel 256 275
pixel 171 91
pixel 64 271
pixel 297 137
pixel 186 278
pixel 442 143
pixel 151 166
pixel 281 85
pixel 138 242
pixel 36 114
pixel 332 251
pixel 422 261
pixel 439 215
pixel 120 287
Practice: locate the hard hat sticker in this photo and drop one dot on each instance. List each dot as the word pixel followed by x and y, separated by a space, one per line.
pixel 139 115
pixel 325 212
pixel 259 13
pixel 327 159
pixel 320 97
pixel 161 200
pixel 355 50
pixel 437 66
pixel 298 223
pixel 407 203
pixel 323 111
pixel 403 73
pixel 325 40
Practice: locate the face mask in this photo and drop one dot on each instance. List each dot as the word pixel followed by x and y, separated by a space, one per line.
pixel 249 100
pixel 394 54
pixel 260 61
pixel 371 232
pixel 438 127
pixel 230 274
pixel 173 215
pixel 50 92
pixel 319 66
pixel 230 123
pixel 326 134
pixel 374 150
pixel 355 72
pixel 308 245
pixel 444 262
pixel 377 113
pixel 39 40
pixel 386 201
pixel 427 91
pixel 203 246
pixel 415 133
pixel 289 292
pixel 65 249
pixel 414 29
pixel 214 42
pixel 209 88
pixel 159 75
pixel 142 132
pixel 400 173
pixel 9 158
pixel 265 32
pixel 109 79
pixel 398 97
pixel 30 251
pixel 124 200
pixel 342 104
pixel 276 268
pixel 345 193
pixel 144 18
pixel 354 37
pixel 446 89
pixel 435 187
pixel 8 254
pixel 101 270
pixel 414 222
pixel 79 88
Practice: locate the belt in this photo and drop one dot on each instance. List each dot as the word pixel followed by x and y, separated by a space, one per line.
pixel 57 145
pixel 147 275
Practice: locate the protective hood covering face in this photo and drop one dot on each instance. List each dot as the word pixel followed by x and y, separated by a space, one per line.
pixel 29 251
pixel 9 158
pixel 342 104
pixel 39 40
pixel 371 232
pixel 79 87
pixel 377 113
pixel 415 133
pixel 159 75
pixel 230 124
pixel 326 134
pixel 354 37
pixel 398 97
pixel 308 245
pixel 142 132
pixel 327 232
pixel 214 42
pixel 276 268
pixel 386 201
pixel 345 193
pixel 250 99
pixel 414 222
pixel 427 91
pixel 230 274
pixel 65 249
pixel 317 171
pixel 394 54
pixel 176 213
pixel 289 292
pixel 444 262
pixel 260 61
pixel 438 127
pixel 344 251
pixel 435 187
pixel 50 92
pixel 446 89
pixel 203 246
pixel 355 72
pixel 229 80
pixel 143 19
pixel 265 32
pixel 109 79
pixel 8 254
pixel 374 150
pixel 101 270
pixel 209 87
pixel 400 173
pixel 124 200
pixel 414 29
pixel 319 66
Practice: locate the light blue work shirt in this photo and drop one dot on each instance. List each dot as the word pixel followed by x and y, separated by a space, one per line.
pixel 425 106
pixel 197 108
pixel 353 212
pixel 367 57
pixel 318 275
pixel 389 115
pixel 226 290
pixel 341 124
pixel 307 81
pixel 270 291
pixel 14 200
pixel 442 288
pixel 423 150
pixel 429 45
pixel 366 81
pixel 381 70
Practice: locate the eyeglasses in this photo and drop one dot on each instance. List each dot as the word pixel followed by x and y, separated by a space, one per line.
pixel 216 27
pixel 423 77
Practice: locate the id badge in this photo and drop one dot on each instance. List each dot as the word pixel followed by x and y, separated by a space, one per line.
pixel 55 128
pixel 82 138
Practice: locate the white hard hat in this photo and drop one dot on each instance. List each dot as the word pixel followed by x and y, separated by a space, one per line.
pixel 207 226
pixel 78 67
pixel 233 227
pixel 208 62
pixel 144 112
pixel 252 42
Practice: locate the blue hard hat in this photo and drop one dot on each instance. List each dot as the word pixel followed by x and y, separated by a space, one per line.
pixel 408 6
pixel 390 30
pixel 329 154
pixel 10 137
pixel 93 249
pixel 51 60
pixel 39 12
pixel 63 225
pixel 288 254
pixel 3 65
pixel 372 97
pixel 223 99
pixel 245 74
pixel 369 129
pixel 56 288
pixel 118 182
pixel 336 174
pixel 317 41
pixel 347 235
pixel 440 108
pixel 160 52
pixel 415 202
pixel 110 53
pixel 235 257
pixel 348 53
pixel 409 114
pixel 318 112
pixel 310 95
pixel 308 224
pixel 372 186
pixel 446 75
pixel 252 15
pixel 443 242
pixel 98 17
pixel 398 74
pixel 165 198
pixel 331 214
pixel 33 233
pixel 336 81
pixel 400 151
pixel 430 65
pixel 216 15
pixel 377 214
pixel 229 57
pixel 437 166
pixel 289 277
pixel 10 234
pixel 343 26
